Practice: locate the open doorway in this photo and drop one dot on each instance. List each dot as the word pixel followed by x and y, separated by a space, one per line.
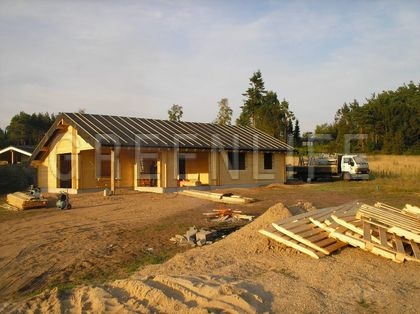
pixel 64 171
pixel 181 167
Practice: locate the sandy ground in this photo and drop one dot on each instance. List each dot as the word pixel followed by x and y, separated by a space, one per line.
pixel 243 273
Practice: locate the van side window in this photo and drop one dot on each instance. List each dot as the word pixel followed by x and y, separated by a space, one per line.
pixel 347 160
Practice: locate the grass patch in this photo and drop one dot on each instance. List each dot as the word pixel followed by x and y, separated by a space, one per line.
pixel 362 302
pixel 288 273
pixel 149 258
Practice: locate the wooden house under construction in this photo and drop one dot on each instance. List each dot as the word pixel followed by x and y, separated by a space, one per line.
pixel 82 152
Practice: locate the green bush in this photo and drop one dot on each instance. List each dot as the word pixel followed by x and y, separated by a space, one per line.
pixel 17 177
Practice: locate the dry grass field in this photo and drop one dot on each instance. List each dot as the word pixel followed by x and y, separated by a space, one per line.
pixel 392 166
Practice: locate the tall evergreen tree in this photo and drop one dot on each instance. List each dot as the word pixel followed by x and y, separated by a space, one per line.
pixel 296 134
pixel 254 100
pixel 263 110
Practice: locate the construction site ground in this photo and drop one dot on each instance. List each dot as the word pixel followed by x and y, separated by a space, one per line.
pixel 47 254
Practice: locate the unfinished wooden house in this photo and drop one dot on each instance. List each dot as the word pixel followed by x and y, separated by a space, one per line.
pixel 88 151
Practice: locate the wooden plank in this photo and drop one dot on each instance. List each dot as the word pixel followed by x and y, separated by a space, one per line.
pixel 300 239
pixel 307 226
pixel 405 233
pixel 326 242
pixel 399 245
pixel 319 213
pixel 113 171
pixel 312 232
pixel 416 249
pixel 287 241
pixel 382 236
pixel 366 231
pixel 318 237
pixel 348 224
pixel 299 219
pixel 412 210
pixel 218 197
pixel 335 246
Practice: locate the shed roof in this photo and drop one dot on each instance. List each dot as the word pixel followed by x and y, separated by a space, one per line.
pixel 129 132
pixel 24 150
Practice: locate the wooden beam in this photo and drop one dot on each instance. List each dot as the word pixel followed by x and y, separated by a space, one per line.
pixel 74 161
pixel 292 243
pixel 112 170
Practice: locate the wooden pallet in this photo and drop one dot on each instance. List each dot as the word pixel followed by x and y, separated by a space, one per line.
pixel 372 238
pixel 397 222
pixel 301 234
pixel 283 239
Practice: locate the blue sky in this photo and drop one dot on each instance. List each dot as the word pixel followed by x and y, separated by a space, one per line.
pixel 137 58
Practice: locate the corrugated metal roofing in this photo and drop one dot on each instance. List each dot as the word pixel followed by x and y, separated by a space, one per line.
pixel 127 131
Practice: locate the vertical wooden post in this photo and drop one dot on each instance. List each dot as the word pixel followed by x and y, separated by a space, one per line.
pixel 13 155
pixel 74 161
pixel 135 174
pixel 112 170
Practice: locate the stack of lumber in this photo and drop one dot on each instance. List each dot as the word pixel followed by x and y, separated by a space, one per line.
pixel 227 214
pixel 25 201
pixel 218 197
pixel 381 229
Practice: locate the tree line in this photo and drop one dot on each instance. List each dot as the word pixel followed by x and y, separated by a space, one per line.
pixel 26 129
pixel 388 122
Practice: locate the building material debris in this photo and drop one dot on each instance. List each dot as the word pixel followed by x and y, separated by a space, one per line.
pixel 381 229
pixel 22 200
pixel 194 237
pixel 227 215
pixel 229 198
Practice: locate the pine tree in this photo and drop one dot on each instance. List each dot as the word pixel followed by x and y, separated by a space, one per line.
pixel 296 134
pixel 254 100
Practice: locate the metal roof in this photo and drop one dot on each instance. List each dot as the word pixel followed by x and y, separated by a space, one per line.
pixel 25 150
pixel 130 131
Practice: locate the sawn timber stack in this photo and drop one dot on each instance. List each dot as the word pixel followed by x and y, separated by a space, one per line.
pixel 24 201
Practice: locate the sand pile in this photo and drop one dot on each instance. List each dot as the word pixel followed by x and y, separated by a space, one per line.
pixel 156 288
pixel 155 294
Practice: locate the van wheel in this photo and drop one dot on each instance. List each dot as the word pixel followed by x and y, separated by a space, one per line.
pixel 346 176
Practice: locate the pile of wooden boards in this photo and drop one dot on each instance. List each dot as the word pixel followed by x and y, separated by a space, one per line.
pixel 227 215
pixel 381 229
pixel 21 200
pixel 228 198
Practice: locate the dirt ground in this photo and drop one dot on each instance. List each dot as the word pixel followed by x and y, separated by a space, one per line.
pixel 93 258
